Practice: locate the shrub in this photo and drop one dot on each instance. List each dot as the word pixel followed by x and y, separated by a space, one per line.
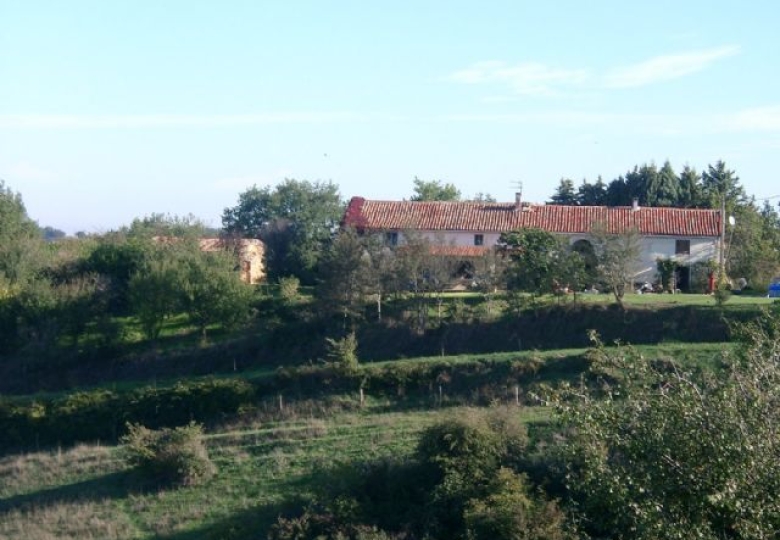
pixel 176 455
pixel 92 415
pixel 343 352
pixel 663 453
pixel 462 455
pixel 323 524
pixel 289 289
pixel 722 294
pixel 510 512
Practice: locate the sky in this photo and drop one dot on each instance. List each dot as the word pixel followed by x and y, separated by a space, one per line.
pixel 112 109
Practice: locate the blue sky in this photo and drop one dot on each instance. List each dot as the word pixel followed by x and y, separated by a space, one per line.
pixel 111 110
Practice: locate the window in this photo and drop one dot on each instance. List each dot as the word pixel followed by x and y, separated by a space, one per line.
pixel 391 238
pixel 479 239
pixel 682 247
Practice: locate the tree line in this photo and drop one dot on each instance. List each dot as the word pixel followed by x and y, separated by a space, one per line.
pixel 754 238
pixel 651 186
pixel 60 291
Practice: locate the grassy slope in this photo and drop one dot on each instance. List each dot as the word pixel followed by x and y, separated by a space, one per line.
pixel 86 492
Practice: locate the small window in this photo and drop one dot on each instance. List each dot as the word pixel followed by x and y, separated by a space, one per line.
pixel 682 247
pixel 479 239
pixel 391 238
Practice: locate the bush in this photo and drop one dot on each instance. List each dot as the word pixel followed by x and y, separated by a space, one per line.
pixel 289 289
pixel 663 453
pixel 510 512
pixel 343 352
pixel 722 294
pixel 175 456
pixel 462 456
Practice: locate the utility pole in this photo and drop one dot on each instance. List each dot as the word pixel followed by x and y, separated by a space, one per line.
pixel 722 247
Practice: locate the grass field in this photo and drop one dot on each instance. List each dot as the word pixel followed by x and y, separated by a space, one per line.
pixel 87 492
pixel 268 457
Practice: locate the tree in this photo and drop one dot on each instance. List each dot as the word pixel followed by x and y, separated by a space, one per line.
pixel 719 185
pixel 483 197
pixel 295 220
pixel 663 187
pixel 344 277
pixel 158 225
pixel 617 256
pixel 20 240
pixel 117 258
pixel 213 292
pixel 434 190
pixel 382 270
pixel 592 194
pixel 489 272
pixel 564 193
pixel 660 452
pixel 423 268
pixel 753 244
pixel 617 194
pixel 50 233
pixel 689 194
pixel 155 289
pixel 536 261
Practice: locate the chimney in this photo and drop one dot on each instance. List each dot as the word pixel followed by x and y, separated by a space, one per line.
pixel 518 200
pixel 635 204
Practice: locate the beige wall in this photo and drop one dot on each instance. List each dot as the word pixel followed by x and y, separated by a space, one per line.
pixel 652 248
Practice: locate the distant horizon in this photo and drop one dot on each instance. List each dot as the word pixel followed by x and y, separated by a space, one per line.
pixel 112 111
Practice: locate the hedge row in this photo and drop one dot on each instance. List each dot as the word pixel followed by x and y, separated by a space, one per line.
pixel 103 414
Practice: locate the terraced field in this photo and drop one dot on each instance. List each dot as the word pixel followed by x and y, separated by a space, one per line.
pixel 87 491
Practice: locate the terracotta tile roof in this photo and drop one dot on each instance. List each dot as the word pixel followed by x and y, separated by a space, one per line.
pixel 500 217
pixel 460 251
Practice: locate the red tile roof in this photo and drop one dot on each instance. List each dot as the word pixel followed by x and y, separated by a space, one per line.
pixel 460 251
pixel 364 214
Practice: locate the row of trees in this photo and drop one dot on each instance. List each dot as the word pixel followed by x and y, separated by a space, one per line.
pixel 297 220
pixel 652 186
pixel 75 282
pixel 55 294
pixel 754 239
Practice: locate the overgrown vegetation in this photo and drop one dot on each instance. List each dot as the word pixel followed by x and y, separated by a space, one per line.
pixel 168 455
pixel 660 451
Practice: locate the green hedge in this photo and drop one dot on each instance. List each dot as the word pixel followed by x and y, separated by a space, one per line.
pixel 103 414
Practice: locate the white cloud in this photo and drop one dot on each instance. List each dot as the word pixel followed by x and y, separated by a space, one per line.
pixel 755 119
pixel 527 78
pixel 28 173
pixel 760 120
pixel 536 79
pixel 667 67
pixel 119 121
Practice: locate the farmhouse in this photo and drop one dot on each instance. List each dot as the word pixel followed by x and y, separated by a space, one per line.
pixel 469 229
